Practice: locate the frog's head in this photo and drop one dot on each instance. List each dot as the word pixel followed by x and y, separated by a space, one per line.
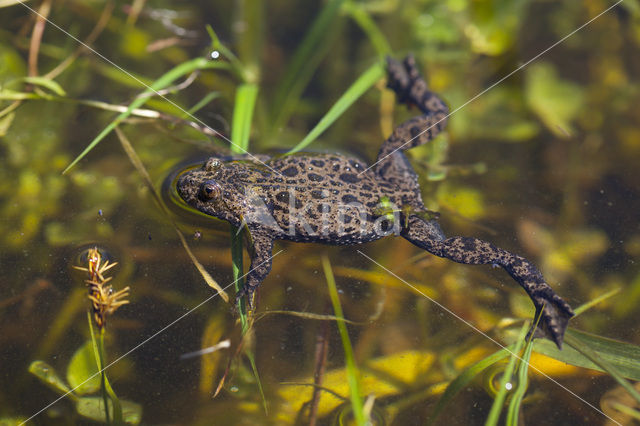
pixel 212 190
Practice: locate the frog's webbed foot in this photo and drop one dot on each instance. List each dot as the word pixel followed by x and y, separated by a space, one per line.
pixel 555 312
pixel 247 292
pixel 411 89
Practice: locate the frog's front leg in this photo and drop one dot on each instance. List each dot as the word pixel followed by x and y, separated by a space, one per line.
pixel 555 312
pixel 260 249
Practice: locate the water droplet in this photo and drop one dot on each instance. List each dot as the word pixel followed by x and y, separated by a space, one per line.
pixel 215 54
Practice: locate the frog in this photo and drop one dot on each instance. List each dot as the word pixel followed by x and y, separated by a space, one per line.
pixel 337 199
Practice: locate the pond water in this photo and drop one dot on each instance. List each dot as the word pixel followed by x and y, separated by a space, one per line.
pixel 543 163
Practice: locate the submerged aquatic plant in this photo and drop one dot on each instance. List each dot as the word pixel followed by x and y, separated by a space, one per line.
pixel 104 302
pixel 88 362
pixel 104 299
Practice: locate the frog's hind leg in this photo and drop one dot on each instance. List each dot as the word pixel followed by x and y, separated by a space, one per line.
pixel 411 89
pixel 555 312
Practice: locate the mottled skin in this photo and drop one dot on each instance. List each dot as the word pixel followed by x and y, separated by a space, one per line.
pixel 305 198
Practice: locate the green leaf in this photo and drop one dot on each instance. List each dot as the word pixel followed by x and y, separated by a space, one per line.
pixel 93 408
pixel 48 375
pixel 82 371
pixel 586 347
pixel 590 304
pixel 46 83
pixel 357 89
pixel 623 356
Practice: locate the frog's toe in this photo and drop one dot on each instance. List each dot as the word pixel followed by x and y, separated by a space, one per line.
pixel 245 291
pixel 554 319
pixel 398 80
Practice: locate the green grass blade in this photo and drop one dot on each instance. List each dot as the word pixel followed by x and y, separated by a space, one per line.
pixel 369 27
pixel 245 100
pixel 580 309
pixel 99 360
pixel 99 352
pixel 117 406
pixel 161 83
pixel 244 105
pixel 254 369
pixel 201 104
pixel 305 60
pixel 623 357
pixel 47 83
pixel 460 382
pixel 235 64
pixel 353 375
pixel 523 383
pixel 626 410
pixel 238 282
pixel 584 346
pixel 357 89
pixel 498 401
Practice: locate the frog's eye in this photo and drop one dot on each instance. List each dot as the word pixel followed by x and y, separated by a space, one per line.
pixel 213 164
pixel 210 190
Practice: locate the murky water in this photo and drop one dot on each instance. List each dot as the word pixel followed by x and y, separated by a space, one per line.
pixel 545 164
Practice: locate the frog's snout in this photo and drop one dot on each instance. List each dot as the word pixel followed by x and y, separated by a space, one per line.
pixel 185 186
